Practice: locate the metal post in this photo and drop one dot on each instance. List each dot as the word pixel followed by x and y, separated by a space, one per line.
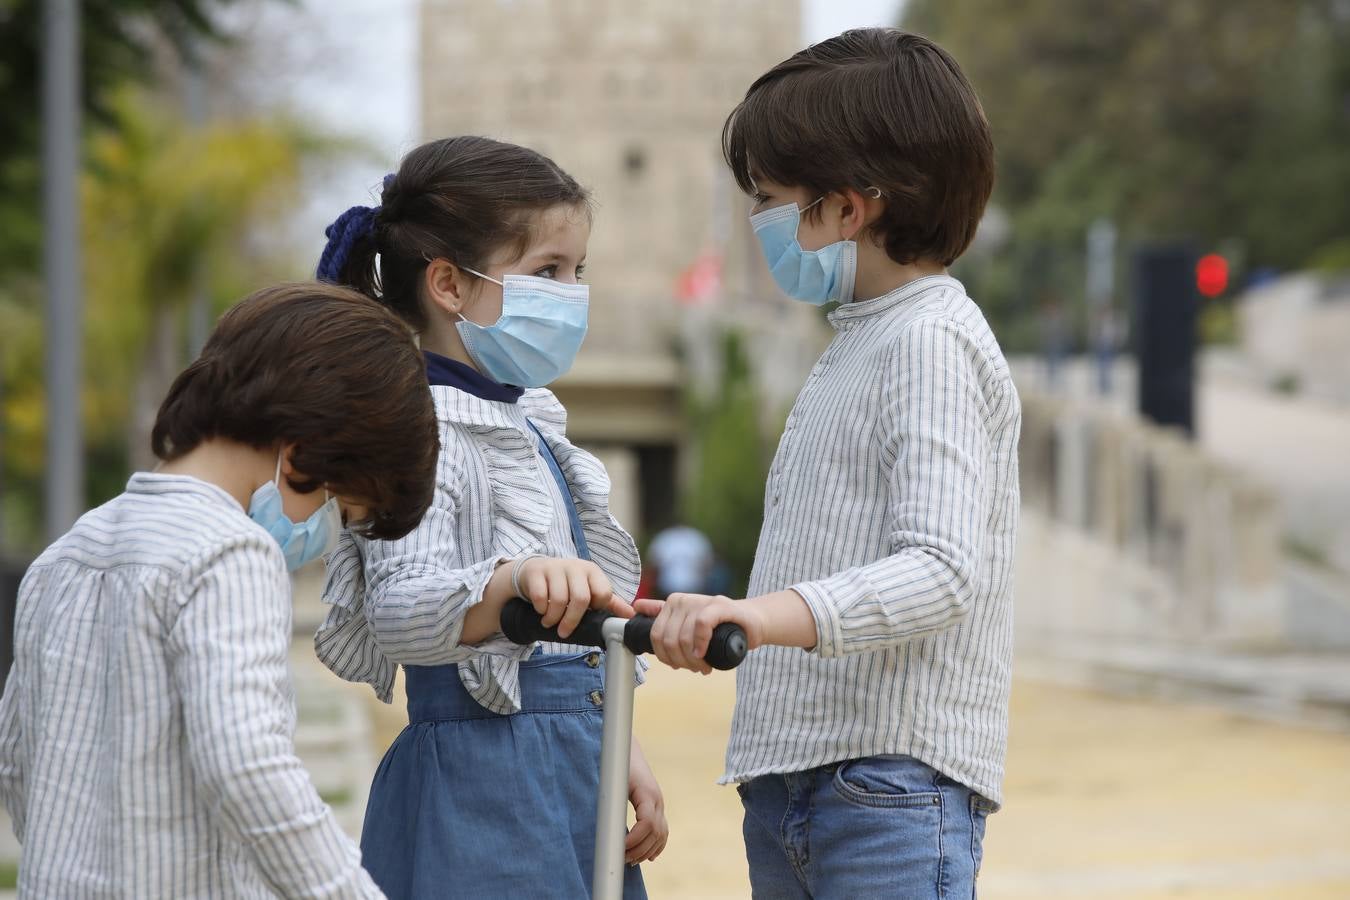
pixel 194 96
pixel 1101 282
pixel 62 261
pixel 616 741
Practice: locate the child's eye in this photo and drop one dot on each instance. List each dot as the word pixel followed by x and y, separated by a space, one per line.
pixel 550 271
pixel 760 199
pixel 581 271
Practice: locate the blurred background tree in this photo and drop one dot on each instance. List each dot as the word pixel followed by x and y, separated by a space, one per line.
pixel 170 209
pixel 730 454
pixel 118 40
pixel 1225 121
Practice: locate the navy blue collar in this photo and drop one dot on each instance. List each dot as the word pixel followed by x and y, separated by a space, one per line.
pixel 452 373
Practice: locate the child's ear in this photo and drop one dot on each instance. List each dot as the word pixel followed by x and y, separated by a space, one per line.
pixel 860 208
pixel 446 286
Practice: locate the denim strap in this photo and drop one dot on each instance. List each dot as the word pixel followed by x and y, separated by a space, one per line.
pixel 583 551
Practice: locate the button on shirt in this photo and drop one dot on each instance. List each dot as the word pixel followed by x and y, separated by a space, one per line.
pixel 891 507
pixel 147 728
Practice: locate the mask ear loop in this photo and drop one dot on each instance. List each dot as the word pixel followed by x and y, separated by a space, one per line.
pixel 461 315
pixel 276 477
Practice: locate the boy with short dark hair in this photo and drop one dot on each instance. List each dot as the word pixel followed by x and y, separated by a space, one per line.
pixel 867 766
pixel 147 728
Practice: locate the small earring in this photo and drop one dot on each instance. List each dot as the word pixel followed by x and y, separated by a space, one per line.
pixel 875 191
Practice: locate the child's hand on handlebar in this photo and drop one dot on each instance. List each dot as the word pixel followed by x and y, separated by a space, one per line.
pixel 562 590
pixel 685 622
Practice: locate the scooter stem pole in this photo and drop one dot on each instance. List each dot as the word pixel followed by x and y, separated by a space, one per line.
pixel 616 740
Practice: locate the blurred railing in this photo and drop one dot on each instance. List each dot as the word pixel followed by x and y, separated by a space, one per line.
pixel 1131 531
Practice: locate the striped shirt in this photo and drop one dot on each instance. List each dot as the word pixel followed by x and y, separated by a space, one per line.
pixel 891 507
pixel 146 732
pixel 403 602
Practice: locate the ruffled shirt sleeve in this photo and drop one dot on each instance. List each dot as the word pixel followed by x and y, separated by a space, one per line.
pixel 404 601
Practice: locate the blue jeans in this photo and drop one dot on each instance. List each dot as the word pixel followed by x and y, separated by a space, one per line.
pixel 877 827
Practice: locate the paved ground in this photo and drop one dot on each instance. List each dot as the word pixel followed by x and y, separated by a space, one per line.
pixel 1106 797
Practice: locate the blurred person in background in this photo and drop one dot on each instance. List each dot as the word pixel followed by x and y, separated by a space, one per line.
pixel 147 728
pixel 682 559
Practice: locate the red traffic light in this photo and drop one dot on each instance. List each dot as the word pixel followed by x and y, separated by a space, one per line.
pixel 1211 275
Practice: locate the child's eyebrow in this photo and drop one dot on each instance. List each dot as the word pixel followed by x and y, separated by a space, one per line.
pixel 554 256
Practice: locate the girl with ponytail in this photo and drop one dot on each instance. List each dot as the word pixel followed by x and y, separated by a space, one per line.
pixel 490 791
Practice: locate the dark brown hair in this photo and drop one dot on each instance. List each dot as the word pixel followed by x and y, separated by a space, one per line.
pixel 330 371
pixel 873 107
pixel 461 199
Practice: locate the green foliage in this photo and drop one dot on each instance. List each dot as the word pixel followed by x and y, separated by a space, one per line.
pixel 1223 121
pixel 117 43
pixel 164 208
pixel 725 499
pixel 1218 322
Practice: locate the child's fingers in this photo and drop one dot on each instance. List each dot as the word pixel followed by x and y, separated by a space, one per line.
pixel 641 832
pixel 579 587
pixel 621 608
pixel 658 631
pixel 643 851
pixel 647 607
pixel 666 641
pixel 576 608
pixel 689 643
pixel 601 590
pixel 704 623
pixel 678 642
pixel 642 841
pixel 556 592
pixel 534 586
pixel 578 601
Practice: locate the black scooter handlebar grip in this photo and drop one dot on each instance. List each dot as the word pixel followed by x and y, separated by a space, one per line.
pixel 726 650
pixel 520 623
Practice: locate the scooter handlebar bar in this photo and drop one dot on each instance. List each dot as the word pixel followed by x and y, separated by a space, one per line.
pixel 522 625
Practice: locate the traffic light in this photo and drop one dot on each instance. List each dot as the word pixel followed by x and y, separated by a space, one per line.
pixel 1211 275
pixel 1165 312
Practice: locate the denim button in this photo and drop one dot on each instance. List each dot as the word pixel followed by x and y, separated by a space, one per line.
pixel 593 660
pixel 597 698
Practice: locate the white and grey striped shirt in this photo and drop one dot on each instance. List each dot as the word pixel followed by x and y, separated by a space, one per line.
pixel 146 732
pixel 892 509
pixel 403 602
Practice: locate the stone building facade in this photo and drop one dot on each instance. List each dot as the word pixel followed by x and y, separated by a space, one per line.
pixel 629 96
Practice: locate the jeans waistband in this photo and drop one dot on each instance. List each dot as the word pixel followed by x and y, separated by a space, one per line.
pixel 553 682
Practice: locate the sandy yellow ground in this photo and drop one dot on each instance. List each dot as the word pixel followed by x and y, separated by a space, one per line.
pixel 1106 798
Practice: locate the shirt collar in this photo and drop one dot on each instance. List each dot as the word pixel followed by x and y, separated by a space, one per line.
pixel 162 483
pixel 850 313
pixel 449 372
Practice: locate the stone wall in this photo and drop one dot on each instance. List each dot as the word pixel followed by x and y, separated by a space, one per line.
pixel 1132 532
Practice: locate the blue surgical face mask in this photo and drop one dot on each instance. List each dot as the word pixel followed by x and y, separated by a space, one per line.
pixel 537 337
pixel 301 543
pixel 812 276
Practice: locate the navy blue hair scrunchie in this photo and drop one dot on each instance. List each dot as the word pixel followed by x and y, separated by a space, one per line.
pixel 357 222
